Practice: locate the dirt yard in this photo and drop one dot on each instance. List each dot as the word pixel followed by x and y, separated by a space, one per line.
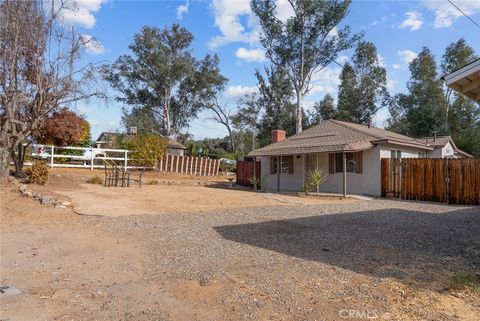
pixel 232 255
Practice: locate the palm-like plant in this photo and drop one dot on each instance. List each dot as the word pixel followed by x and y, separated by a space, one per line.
pixel 316 178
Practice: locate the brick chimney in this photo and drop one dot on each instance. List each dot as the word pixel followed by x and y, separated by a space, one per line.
pixel 278 135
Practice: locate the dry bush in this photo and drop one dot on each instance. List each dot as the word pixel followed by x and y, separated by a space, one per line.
pixel 38 173
pixel 95 180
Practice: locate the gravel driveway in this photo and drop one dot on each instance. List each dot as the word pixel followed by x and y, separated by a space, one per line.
pixel 390 260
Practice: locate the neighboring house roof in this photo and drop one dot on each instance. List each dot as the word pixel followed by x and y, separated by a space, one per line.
pixel 110 137
pixel 466 80
pixel 336 136
pixel 441 141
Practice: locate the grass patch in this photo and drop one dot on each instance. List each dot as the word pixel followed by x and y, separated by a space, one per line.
pixel 154 182
pixel 95 180
pixel 465 280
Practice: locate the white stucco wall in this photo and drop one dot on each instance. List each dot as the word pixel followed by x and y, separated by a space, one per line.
pixel 288 182
pixel 176 151
pixel 368 182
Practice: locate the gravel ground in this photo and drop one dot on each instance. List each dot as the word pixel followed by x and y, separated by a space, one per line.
pixel 387 260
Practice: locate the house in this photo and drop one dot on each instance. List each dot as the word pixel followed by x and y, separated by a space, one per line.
pixel 110 140
pixel 466 80
pixel 350 154
pixel 443 147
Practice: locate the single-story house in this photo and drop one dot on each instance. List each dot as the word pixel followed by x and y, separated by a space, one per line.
pixel 443 147
pixel 466 80
pixel 350 154
pixel 109 140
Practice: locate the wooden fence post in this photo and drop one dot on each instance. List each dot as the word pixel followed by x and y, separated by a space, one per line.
pixel 126 160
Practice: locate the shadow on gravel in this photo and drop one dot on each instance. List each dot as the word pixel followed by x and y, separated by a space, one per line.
pixel 384 243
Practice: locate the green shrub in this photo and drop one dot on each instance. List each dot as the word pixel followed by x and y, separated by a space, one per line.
pixel 462 280
pixel 95 180
pixel 38 173
pixel 227 168
pixel 315 178
pixel 146 149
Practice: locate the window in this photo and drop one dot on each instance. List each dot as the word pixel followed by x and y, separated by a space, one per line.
pixel 396 153
pixel 354 162
pixel 421 155
pixel 286 164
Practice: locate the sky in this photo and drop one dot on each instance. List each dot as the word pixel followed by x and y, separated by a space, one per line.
pixel 399 30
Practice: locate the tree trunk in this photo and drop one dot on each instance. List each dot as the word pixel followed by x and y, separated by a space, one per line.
pixel 4 162
pixel 299 114
pixel 232 142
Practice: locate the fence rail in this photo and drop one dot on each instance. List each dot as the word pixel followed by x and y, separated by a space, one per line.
pixel 190 165
pixel 455 181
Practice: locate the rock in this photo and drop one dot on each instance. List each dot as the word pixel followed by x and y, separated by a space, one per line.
pixel 66 203
pixel 12 179
pixel 47 200
pixel 60 206
pixel 23 188
pixel 28 193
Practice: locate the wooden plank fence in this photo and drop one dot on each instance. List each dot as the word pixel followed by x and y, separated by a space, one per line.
pixel 245 171
pixel 455 181
pixel 189 165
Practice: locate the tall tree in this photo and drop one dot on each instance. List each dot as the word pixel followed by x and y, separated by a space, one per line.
pixel 462 113
pixel 246 121
pixel 363 88
pixel 421 112
pixel 143 118
pixel 38 74
pixel 305 42
pixel 163 76
pixel 275 104
pixel 322 110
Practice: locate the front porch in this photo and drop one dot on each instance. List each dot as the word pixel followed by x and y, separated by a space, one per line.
pixel 348 172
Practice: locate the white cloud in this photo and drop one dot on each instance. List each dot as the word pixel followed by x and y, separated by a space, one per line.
pixel 381 60
pixel 235 92
pixel 284 10
pixel 250 54
pixel 391 84
pixel 92 45
pixel 81 12
pixel 413 21
pixel 407 56
pixel 229 15
pixel 182 9
pixel 227 19
pixel 446 14
pixel 325 81
pixel 396 66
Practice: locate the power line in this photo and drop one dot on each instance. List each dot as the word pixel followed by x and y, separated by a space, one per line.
pixel 466 15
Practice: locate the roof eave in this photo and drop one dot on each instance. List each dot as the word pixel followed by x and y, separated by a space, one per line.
pixel 397 142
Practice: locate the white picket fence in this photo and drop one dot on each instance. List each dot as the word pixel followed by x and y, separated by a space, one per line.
pixel 189 165
pixel 86 160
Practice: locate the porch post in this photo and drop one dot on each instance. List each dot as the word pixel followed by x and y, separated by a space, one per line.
pixel 255 173
pixel 344 174
pixel 278 173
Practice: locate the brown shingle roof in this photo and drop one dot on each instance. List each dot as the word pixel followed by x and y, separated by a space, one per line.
pixel 335 136
pixel 435 141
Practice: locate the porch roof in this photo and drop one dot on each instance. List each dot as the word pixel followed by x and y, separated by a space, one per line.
pixel 466 80
pixel 333 136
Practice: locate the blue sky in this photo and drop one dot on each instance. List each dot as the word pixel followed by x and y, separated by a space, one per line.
pixel 399 29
